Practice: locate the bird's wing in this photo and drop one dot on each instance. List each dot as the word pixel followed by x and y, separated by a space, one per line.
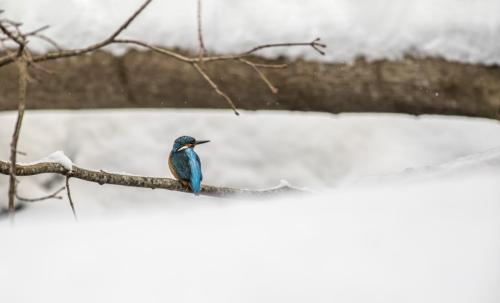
pixel 195 168
pixel 180 162
pixel 199 164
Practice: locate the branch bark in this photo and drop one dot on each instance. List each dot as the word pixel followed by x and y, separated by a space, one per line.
pixel 102 177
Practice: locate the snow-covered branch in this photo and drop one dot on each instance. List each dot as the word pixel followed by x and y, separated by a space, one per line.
pixel 102 177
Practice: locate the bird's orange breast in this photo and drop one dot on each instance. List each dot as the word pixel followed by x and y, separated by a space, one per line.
pixel 172 169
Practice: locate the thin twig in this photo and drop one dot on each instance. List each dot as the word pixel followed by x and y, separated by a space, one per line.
pixel 22 65
pixel 49 41
pixel 68 191
pixel 16 38
pixel 11 22
pixel 319 47
pixel 215 87
pixel 51 196
pixel 128 21
pixel 160 50
pixel 264 65
pixel 264 78
pixel 32 33
pixel 315 44
pixel 23 84
pixel 201 45
pixel 36 31
pixel 199 65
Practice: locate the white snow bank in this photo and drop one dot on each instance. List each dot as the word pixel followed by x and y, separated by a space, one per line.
pixel 484 163
pixel 466 31
pixel 433 238
pixel 427 242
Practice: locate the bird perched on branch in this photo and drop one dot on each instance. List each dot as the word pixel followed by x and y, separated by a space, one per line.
pixel 185 164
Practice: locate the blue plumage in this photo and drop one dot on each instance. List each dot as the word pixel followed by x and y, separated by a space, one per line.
pixel 195 167
pixel 185 164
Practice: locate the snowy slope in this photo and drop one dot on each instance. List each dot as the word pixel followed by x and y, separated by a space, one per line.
pixel 407 210
pixel 404 244
pixel 460 30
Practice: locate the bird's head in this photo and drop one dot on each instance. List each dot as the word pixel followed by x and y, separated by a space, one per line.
pixel 184 142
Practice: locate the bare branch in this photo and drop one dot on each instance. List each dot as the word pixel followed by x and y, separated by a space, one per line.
pixel 264 78
pixel 128 21
pixel 23 84
pixel 197 63
pixel 49 41
pixel 48 197
pixel 102 177
pixel 76 52
pixel 10 22
pixel 22 65
pixel 16 38
pixel 319 47
pixel 263 65
pixel 36 31
pixel 32 33
pixel 23 58
pixel 160 50
pixel 68 191
pixel 201 45
pixel 215 87
pixel 315 44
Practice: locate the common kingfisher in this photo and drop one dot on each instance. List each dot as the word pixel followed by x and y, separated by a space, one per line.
pixel 185 164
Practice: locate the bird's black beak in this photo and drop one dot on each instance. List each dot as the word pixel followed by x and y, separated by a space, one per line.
pixel 201 142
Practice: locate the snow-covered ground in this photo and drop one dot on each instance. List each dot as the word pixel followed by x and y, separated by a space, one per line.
pixel 407 210
pixel 460 30
pixel 404 209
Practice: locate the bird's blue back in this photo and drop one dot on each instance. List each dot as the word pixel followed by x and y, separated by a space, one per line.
pixel 186 164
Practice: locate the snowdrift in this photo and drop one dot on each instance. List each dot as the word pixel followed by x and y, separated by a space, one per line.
pixel 465 31
pixel 406 210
